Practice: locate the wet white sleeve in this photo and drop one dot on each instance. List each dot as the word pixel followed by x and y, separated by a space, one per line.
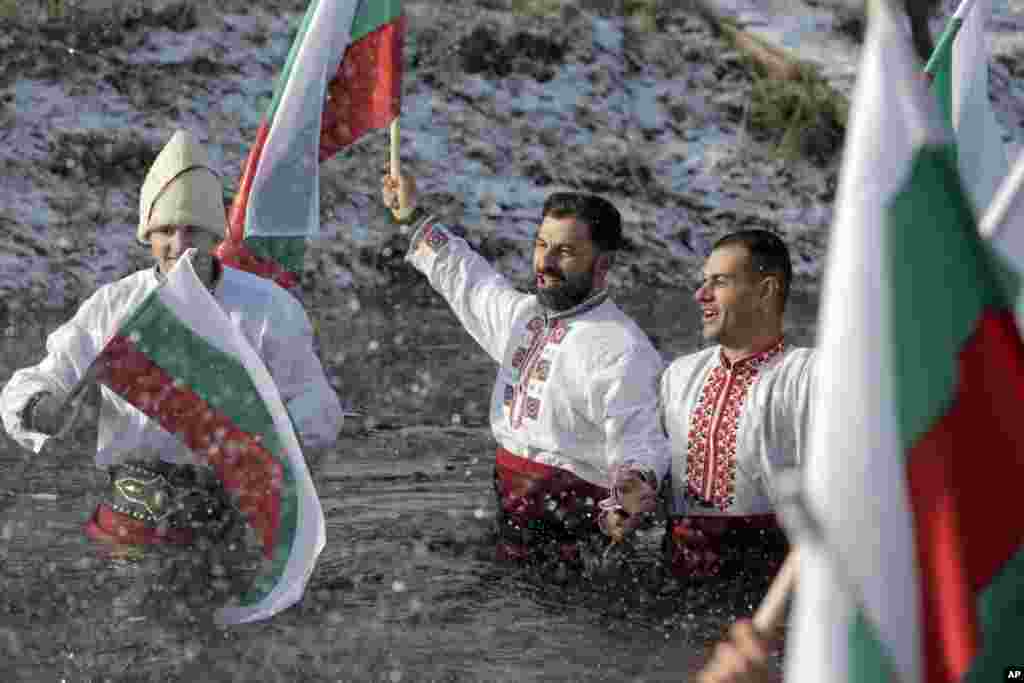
pixel 288 352
pixel 787 424
pixel 802 390
pixel 483 300
pixel 70 350
pixel 623 398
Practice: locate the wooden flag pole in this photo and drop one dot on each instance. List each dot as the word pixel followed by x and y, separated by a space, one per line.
pixel 395 170
pixel 770 612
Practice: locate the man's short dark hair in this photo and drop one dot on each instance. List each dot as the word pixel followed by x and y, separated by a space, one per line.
pixel 768 255
pixel 600 214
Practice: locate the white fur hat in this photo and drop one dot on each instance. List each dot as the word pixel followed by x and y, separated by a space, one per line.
pixel 181 189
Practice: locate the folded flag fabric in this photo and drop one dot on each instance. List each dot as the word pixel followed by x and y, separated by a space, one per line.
pixel 342 79
pixel 179 360
pixel 917 576
pixel 959 71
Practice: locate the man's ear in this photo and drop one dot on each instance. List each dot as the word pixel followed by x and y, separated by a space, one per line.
pixel 770 289
pixel 602 264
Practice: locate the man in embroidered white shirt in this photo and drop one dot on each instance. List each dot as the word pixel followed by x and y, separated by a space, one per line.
pixel 574 407
pixel 152 472
pixel 736 412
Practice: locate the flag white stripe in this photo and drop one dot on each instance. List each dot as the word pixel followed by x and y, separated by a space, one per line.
pixel 981 153
pixel 821 617
pixel 962 10
pixel 285 197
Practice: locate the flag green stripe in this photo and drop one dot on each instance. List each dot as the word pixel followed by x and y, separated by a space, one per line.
pixel 869 662
pixel 940 67
pixel 287 252
pixel 288 524
pixel 293 53
pixel 943 52
pixel 1011 280
pixel 372 14
pixel 940 284
pixel 216 377
pixel 1001 612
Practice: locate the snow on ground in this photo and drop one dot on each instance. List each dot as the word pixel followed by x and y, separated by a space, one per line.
pixel 656 121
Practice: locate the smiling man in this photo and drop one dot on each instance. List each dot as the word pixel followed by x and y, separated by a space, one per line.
pixel 152 472
pixel 736 412
pixel 574 407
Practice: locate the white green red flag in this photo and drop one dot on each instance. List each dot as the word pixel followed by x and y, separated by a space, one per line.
pixel 179 360
pixel 958 69
pixel 342 79
pixel 917 446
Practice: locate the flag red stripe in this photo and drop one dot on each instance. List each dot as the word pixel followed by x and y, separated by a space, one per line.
pixel 366 91
pixel 245 467
pixel 236 217
pixel 959 473
pixel 238 255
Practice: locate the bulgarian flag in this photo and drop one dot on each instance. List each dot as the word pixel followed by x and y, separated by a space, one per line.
pixel 179 360
pixel 342 78
pixel 917 447
pixel 958 69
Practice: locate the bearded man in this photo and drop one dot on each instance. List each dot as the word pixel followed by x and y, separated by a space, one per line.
pixel 574 406
pixel 159 491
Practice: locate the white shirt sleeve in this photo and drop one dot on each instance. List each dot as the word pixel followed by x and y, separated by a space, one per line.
pixel 288 352
pixel 623 397
pixel 484 301
pixel 70 350
pixel 802 387
pixel 787 428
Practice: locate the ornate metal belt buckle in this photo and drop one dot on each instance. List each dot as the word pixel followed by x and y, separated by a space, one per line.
pixel 143 494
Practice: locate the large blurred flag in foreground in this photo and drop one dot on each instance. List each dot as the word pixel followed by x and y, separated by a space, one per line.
pixel 342 78
pixel 959 71
pixel 180 361
pixel 917 449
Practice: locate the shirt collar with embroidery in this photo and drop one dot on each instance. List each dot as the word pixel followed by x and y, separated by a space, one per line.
pixel 754 360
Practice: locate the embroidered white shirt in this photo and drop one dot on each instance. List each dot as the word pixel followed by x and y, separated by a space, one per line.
pixel 575 390
pixel 733 425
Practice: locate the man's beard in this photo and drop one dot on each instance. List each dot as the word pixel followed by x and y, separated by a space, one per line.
pixel 571 292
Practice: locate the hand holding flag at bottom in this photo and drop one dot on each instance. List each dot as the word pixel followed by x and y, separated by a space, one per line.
pixel 179 360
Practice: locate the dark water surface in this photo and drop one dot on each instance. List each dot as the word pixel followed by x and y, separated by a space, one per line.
pixel 406 589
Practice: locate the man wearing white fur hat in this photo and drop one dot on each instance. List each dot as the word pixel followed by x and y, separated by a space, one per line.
pixel 181 213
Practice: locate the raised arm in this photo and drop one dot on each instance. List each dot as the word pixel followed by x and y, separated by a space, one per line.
pixel 484 301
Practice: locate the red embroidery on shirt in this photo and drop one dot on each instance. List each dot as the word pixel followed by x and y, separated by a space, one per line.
pixel 534 349
pixel 558 332
pixel 711 461
pixel 532 407
pixel 518 357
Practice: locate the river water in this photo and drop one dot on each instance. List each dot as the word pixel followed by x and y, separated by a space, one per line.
pixel 407 588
